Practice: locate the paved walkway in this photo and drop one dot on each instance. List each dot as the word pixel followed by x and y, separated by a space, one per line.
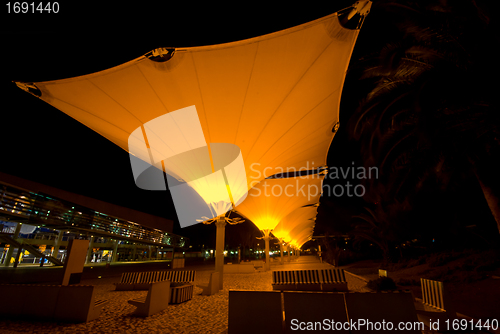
pixel 203 314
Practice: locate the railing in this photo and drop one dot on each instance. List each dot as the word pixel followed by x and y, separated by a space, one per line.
pixel 44 210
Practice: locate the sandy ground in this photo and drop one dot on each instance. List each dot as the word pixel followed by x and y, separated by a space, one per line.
pixel 202 314
pixel 208 314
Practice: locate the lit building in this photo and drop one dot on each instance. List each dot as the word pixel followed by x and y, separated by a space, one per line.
pixel 40 219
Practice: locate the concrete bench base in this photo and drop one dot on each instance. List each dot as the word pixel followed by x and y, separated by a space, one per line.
pixel 213 285
pixel 156 300
pixel 71 303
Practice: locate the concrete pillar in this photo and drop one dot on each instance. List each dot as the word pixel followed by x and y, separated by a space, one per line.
pixel 219 249
pixel 149 253
pixel 114 256
pixel 57 244
pixel 134 252
pixel 288 253
pixel 18 256
pixel 10 252
pixel 267 265
pixel 281 251
pixel 90 250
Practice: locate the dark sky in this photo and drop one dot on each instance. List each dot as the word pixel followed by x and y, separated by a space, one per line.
pixel 43 144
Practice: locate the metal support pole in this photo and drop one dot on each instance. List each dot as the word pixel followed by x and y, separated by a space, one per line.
pixel 90 250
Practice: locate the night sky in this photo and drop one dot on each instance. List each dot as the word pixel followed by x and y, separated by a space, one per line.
pixel 42 144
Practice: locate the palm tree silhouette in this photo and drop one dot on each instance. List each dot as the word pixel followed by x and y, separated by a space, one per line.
pixel 432 112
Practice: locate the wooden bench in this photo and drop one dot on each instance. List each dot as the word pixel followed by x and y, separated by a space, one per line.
pixel 314 307
pixel 434 295
pixel 310 280
pixel 242 316
pixel 50 302
pixel 333 280
pixel 389 306
pixel 142 280
pixel 435 303
pixel 156 300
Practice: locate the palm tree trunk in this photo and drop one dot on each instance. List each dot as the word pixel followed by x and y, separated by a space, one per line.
pixel 492 200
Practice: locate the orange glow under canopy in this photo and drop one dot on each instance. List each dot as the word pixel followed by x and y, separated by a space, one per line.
pixel 271 200
pixel 276 96
pixel 295 218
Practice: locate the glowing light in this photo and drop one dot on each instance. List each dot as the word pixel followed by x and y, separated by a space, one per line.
pixel 271 200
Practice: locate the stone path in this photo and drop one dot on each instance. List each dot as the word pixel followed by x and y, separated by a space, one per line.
pixel 202 314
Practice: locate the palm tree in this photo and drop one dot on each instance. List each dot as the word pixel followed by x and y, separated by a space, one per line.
pixel 431 109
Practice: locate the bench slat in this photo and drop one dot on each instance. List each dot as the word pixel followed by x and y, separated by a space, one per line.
pixel 310 279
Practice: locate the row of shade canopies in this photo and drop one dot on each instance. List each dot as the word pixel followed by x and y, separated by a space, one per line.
pixel 273 98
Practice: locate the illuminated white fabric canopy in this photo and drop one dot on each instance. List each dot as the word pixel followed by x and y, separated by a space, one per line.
pixel 295 218
pixel 271 200
pixel 298 230
pixel 276 96
pixel 302 242
pixel 302 237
